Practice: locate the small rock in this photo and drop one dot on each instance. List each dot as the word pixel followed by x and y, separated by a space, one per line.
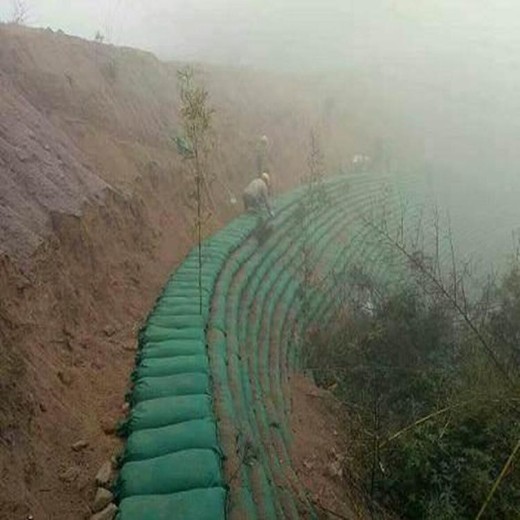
pixel 104 474
pixel 308 465
pixel 97 365
pixel 84 484
pixel 107 514
pixel 109 331
pixel 335 469
pixel 23 155
pixel 102 500
pixel 43 408
pixel 80 445
pixel 65 378
pixel 109 426
pixel 69 475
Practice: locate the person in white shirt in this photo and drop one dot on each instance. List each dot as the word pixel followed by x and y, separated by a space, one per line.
pixel 256 195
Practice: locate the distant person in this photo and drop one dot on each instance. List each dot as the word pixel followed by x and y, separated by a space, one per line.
pixel 360 163
pixel 261 154
pixel 256 195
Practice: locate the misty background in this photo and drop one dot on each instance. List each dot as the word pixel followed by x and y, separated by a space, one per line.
pixel 439 80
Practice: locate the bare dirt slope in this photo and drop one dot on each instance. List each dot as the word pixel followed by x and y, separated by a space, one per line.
pixel 320 452
pixel 93 217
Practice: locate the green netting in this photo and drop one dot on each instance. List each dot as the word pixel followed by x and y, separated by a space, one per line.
pixel 198 504
pixel 146 444
pixel 182 471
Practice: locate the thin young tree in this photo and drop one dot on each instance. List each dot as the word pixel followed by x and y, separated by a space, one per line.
pixel 99 37
pixel 196 116
pixel 313 199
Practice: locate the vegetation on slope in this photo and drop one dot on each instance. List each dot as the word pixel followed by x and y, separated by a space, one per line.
pixel 429 378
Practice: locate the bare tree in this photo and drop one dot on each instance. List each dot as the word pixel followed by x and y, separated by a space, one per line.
pixel 312 201
pixel 451 286
pixel 20 12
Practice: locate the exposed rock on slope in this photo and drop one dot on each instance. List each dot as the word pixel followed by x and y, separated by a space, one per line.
pixel 41 172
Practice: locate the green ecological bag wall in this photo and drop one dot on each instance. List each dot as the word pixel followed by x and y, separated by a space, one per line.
pixel 208 434
pixel 172 463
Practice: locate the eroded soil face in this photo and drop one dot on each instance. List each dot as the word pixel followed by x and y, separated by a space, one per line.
pixel 94 215
pixel 320 451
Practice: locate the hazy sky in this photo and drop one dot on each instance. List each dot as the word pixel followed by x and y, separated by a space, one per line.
pixel 440 78
pixel 294 32
pixel 448 70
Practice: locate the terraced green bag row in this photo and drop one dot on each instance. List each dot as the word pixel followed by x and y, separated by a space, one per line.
pixel 177 322
pixel 172 461
pixel 197 504
pixel 182 471
pixel 165 411
pixel 158 333
pixel 191 308
pixel 180 384
pixel 147 444
pixel 171 348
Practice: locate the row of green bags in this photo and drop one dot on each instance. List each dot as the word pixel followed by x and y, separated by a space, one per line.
pixel 171 466
pixel 172 460
pixel 260 276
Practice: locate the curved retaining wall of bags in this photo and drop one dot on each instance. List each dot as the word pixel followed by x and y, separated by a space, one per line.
pixel 208 431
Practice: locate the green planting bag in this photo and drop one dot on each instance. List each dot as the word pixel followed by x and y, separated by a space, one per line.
pixel 189 283
pixel 155 333
pixel 197 504
pixel 177 322
pixel 180 384
pixel 147 444
pixel 168 309
pixel 165 411
pixel 171 348
pixel 182 471
pixel 157 367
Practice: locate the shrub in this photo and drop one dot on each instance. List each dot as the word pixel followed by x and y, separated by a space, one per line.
pixel 436 420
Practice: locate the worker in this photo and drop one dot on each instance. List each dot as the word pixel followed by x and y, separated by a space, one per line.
pixel 262 152
pixel 360 163
pixel 256 195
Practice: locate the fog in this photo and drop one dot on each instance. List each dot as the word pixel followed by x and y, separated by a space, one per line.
pixel 302 33
pixel 440 79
